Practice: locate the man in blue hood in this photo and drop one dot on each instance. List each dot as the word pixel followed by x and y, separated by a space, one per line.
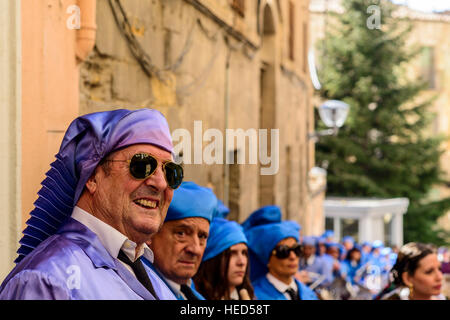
pixel 181 242
pixel 315 265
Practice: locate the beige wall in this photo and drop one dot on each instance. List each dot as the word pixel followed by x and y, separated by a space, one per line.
pixel 203 88
pixel 10 124
pixel 39 56
pixel 434 34
pixel 50 89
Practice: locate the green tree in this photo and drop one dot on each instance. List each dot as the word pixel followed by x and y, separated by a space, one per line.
pixel 383 149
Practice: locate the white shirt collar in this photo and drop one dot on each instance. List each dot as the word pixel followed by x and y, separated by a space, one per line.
pixel 311 259
pixel 176 286
pixel 234 295
pixel 281 286
pixel 112 239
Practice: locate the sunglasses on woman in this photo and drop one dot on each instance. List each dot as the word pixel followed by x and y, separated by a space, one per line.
pixel 143 165
pixel 283 251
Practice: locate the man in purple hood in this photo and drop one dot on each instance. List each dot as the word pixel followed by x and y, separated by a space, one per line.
pixel 105 196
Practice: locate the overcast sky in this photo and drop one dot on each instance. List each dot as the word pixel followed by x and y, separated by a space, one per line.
pixel 426 5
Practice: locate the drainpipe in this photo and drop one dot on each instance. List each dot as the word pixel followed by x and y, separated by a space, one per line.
pixel 226 192
pixel 86 33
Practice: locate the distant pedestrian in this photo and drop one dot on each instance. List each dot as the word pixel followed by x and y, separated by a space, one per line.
pixel 315 266
pixel 352 267
pixel 331 257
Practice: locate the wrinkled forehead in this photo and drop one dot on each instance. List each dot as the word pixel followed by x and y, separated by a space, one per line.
pixel 128 152
pixel 193 223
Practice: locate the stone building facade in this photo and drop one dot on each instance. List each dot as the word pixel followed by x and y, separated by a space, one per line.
pixel 205 64
pixel 224 65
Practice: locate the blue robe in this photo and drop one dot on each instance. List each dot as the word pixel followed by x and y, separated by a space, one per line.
pixel 365 257
pixel 176 293
pixel 351 271
pixel 264 290
pixel 331 274
pixel 320 266
pixel 73 264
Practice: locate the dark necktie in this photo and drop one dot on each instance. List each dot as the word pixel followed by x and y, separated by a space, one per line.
pixel 139 271
pixel 187 291
pixel 293 294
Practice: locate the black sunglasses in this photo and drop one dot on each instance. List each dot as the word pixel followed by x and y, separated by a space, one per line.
pixel 143 165
pixel 283 251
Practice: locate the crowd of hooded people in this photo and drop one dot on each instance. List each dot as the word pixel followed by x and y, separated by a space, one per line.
pixel 115 220
pixel 348 270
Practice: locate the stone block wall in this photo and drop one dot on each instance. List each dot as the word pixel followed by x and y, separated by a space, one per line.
pixel 209 60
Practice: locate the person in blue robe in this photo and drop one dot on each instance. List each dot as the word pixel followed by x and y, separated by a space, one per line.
pixel 352 267
pixel 375 258
pixel 366 248
pixel 315 265
pixel 262 215
pixel 179 245
pixel 331 257
pixel 328 235
pixel 276 249
pixel 348 242
pixel 224 273
pixel 105 195
pixel 321 248
pixel 374 268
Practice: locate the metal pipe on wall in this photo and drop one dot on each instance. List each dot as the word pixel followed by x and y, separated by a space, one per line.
pixel 226 191
pixel 88 28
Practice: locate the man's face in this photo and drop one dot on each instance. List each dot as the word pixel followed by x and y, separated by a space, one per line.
pixel 308 250
pixel 334 252
pixel 284 268
pixel 137 208
pixel 348 245
pixel 355 255
pixel 322 249
pixel 178 247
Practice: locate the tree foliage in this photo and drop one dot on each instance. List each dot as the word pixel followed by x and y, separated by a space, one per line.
pixel 383 149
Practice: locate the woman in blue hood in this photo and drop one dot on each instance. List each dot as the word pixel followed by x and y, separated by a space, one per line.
pixel 275 250
pixel 224 271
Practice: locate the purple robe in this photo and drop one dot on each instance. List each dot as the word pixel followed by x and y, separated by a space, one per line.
pixel 73 264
